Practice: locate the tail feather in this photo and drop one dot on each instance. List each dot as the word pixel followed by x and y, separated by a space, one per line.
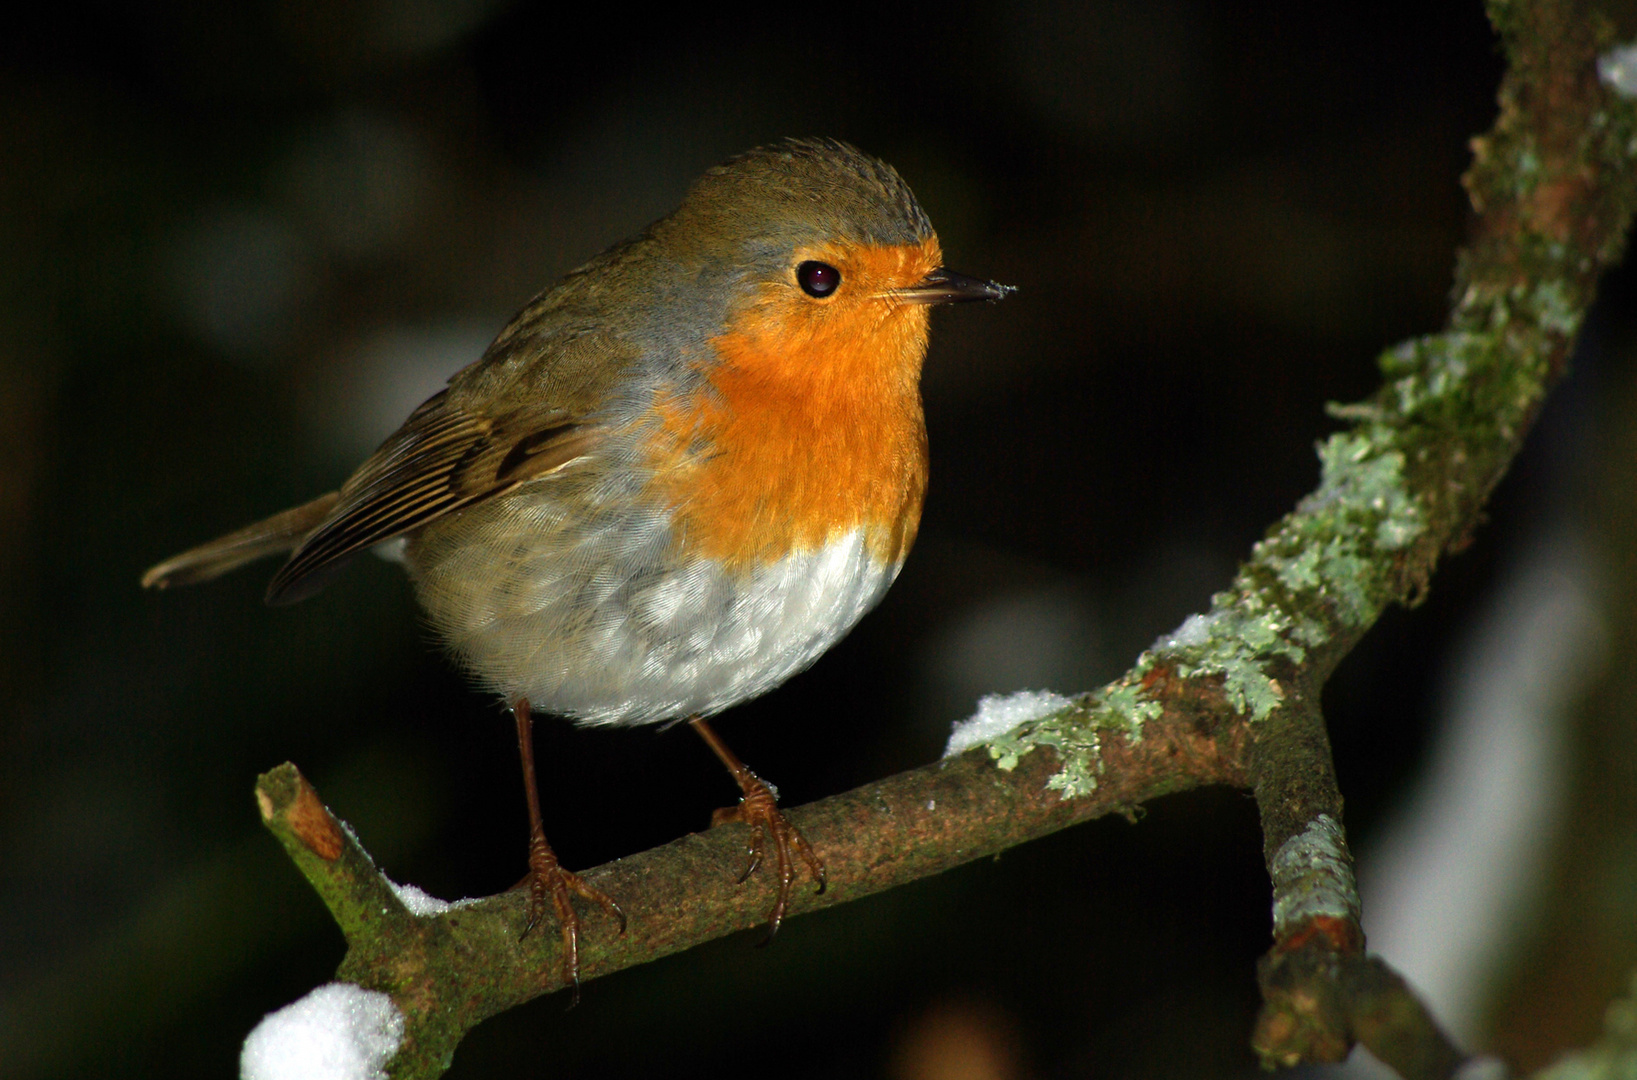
pixel 276 535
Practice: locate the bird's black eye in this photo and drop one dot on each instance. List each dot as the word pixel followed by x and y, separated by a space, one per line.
pixel 817 279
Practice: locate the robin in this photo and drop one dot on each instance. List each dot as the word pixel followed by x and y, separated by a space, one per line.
pixel 674 480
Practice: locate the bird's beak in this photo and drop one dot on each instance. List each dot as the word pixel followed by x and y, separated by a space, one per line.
pixel 947 287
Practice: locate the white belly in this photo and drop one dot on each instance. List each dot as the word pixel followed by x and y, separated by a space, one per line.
pixel 610 630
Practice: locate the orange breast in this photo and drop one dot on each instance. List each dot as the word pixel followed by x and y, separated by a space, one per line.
pixel 811 427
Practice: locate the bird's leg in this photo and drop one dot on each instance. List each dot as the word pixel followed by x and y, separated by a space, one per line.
pixel 546 875
pixel 760 810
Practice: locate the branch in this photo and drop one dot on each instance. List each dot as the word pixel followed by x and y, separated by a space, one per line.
pixel 450 971
pixel 1230 698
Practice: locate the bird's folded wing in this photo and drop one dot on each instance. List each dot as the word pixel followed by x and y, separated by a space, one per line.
pixel 444 457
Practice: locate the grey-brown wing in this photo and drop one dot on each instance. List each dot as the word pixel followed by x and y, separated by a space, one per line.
pixel 444 457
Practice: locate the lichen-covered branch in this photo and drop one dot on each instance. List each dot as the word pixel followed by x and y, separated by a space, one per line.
pixel 451 969
pixel 1230 697
pixel 1320 992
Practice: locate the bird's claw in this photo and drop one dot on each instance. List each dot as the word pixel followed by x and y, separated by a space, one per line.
pixel 760 810
pixel 548 879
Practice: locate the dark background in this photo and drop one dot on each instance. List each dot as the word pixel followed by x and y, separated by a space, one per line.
pixel 239 242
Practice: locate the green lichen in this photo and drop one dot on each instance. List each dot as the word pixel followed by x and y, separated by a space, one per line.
pixel 1554 308
pixel 1325 557
pixel 1334 570
pixel 1075 735
pixel 1312 876
pixel 1236 641
pixel 1300 572
pixel 1434 370
pixel 1362 480
pixel 1078 745
pixel 1525 169
pixel 1128 708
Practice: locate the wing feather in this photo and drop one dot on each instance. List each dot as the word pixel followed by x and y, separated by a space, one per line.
pixel 443 458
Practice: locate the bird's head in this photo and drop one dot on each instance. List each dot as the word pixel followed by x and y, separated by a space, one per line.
pixel 818 252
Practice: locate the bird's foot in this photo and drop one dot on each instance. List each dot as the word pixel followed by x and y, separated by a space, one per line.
pixel 760 810
pixel 548 879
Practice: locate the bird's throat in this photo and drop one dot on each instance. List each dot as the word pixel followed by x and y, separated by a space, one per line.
pixel 802 438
